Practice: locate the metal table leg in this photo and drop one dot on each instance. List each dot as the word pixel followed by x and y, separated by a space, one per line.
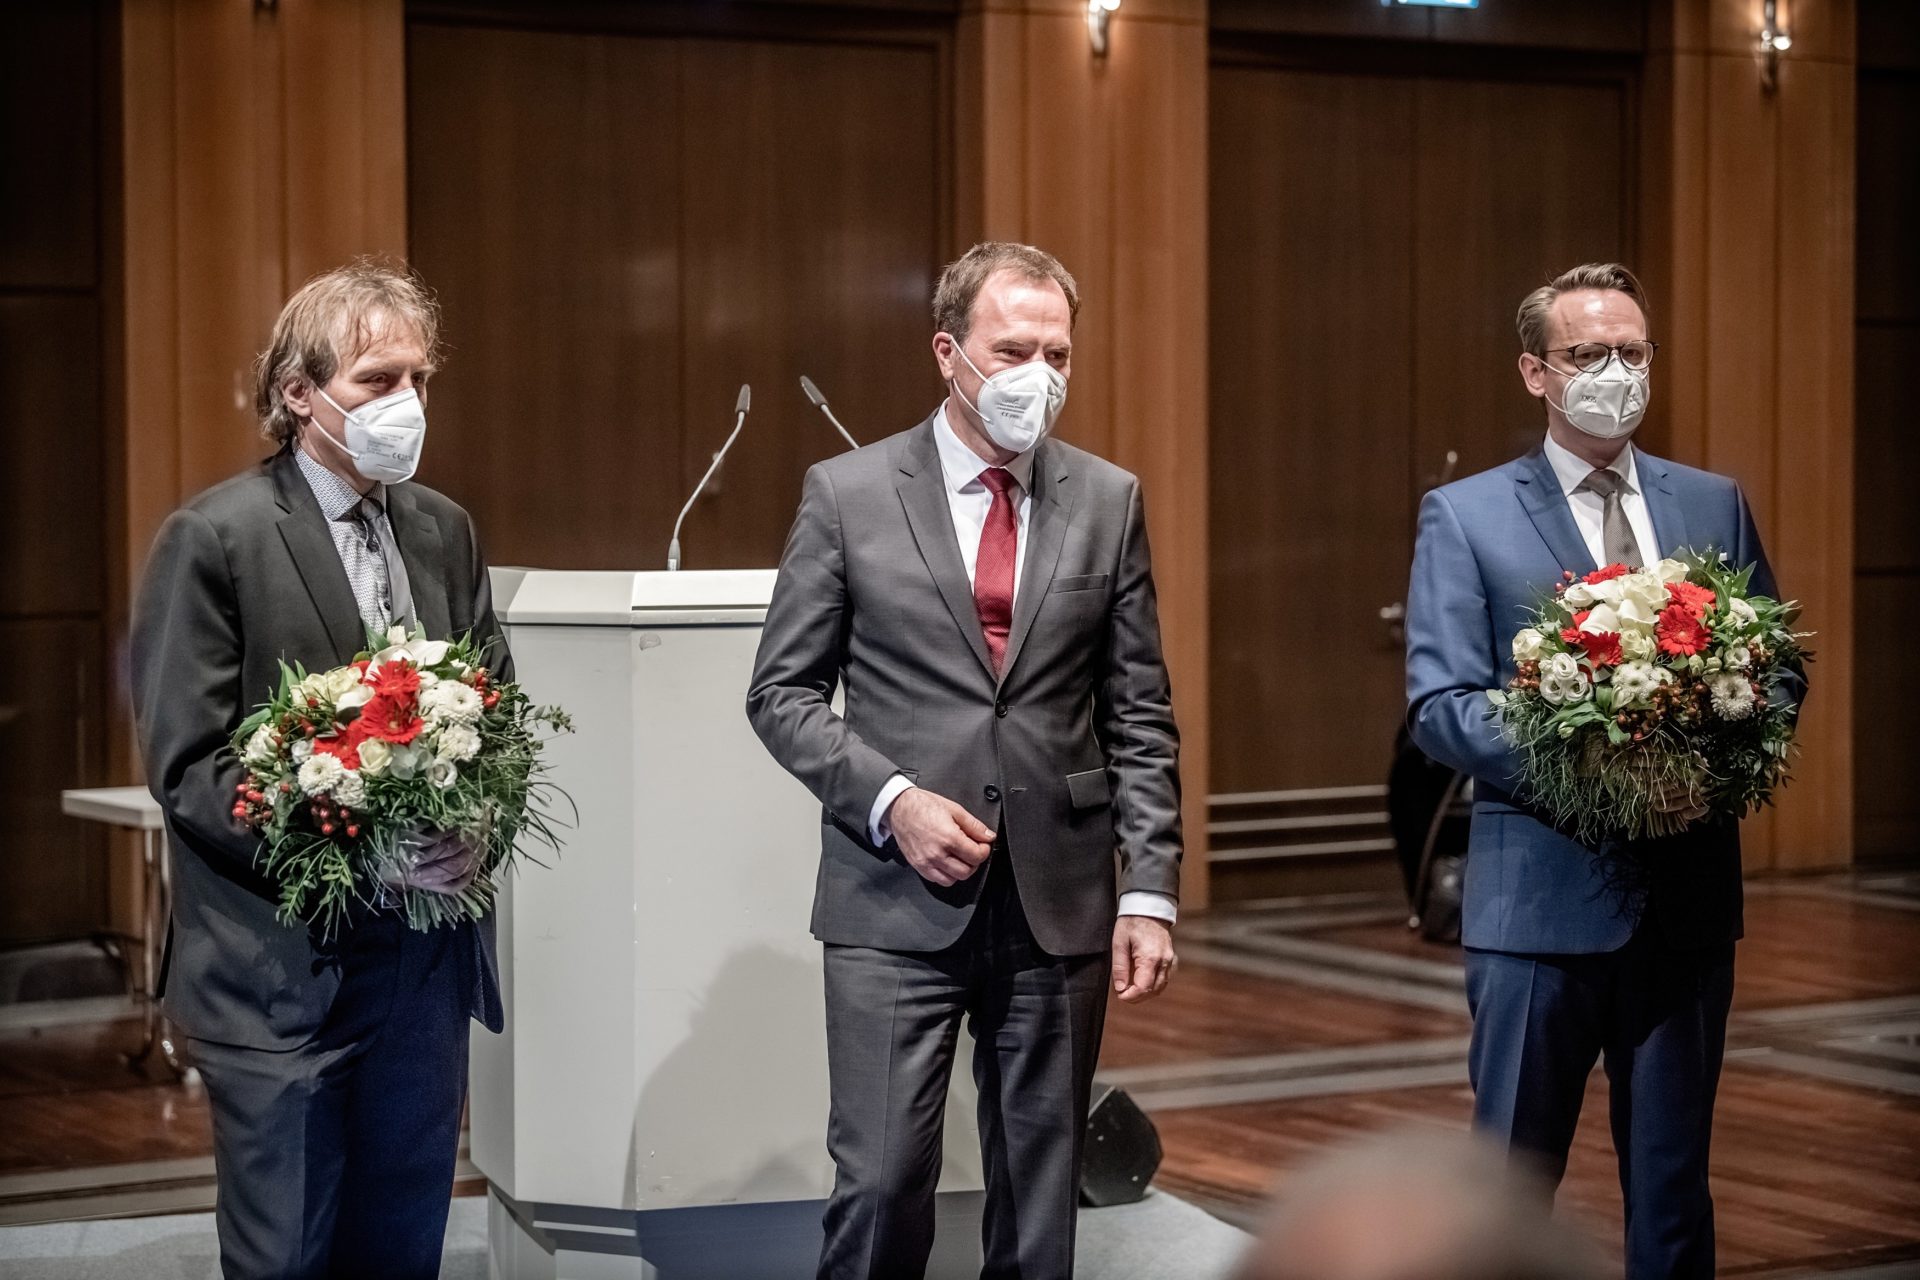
pixel 159 1037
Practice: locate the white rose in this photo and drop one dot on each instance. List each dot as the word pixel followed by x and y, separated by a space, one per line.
pixel 450 700
pixel 1562 681
pixel 1737 657
pixel 458 742
pixel 1670 571
pixel 1645 593
pixel 1529 645
pixel 1637 646
pixel 1634 682
pixel 350 790
pixel 1580 596
pixel 261 747
pixel 1732 695
pixel 442 774
pixel 319 774
pixel 302 750
pixel 1742 613
pixel 375 756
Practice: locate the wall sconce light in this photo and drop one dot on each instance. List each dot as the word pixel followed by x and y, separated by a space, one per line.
pixel 1775 40
pixel 1099 14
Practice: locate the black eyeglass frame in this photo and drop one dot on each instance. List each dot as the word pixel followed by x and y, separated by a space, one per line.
pixel 1612 351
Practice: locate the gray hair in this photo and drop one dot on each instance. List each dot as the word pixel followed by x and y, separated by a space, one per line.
pixel 1532 320
pixel 961 282
pixel 328 323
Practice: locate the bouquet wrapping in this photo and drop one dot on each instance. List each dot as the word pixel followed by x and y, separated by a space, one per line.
pixel 1646 700
pixel 351 771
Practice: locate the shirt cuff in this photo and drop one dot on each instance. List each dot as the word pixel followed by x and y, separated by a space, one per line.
pixel 878 827
pixel 1145 902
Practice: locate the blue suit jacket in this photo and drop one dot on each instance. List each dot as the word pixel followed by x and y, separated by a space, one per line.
pixel 1489 546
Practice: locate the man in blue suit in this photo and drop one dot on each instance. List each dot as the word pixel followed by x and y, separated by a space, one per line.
pixel 1574 953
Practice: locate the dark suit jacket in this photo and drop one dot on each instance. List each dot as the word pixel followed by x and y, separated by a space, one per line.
pixel 1489 547
pixel 243 577
pixel 1071 756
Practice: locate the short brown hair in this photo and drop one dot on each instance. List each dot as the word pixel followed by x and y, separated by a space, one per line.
pixel 1532 320
pixel 329 322
pixel 961 282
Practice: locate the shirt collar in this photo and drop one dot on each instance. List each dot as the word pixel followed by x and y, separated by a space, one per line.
pixel 1572 471
pixel 961 466
pixel 335 496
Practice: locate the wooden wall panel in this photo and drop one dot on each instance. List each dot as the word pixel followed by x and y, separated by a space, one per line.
pixel 1311 401
pixel 740 210
pixel 1748 201
pixel 1103 163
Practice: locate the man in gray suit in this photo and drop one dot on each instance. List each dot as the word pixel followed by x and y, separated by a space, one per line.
pixel 335 1070
pixel 983 594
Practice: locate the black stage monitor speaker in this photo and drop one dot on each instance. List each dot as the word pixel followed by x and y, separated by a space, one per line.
pixel 1123 1151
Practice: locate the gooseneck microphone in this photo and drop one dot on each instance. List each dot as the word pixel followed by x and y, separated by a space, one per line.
pixel 740 407
pixel 820 403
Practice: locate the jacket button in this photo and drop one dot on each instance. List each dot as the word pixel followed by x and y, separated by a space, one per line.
pixel 1000 709
pixel 993 792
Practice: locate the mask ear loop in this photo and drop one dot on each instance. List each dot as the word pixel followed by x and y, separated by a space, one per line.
pixel 954 384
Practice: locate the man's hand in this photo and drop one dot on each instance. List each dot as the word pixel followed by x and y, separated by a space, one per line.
pixel 942 841
pixel 1143 958
pixel 442 863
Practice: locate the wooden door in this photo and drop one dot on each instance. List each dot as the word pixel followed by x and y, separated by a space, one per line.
pixel 1372 234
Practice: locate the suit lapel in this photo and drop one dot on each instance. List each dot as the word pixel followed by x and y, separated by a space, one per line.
pixel 1546 506
pixel 1046 531
pixel 304 530
pixel 923 492
pixel 419 536
pixel 1669 514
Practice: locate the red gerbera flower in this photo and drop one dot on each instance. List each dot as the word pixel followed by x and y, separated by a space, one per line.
pixel 390 720
pixel 1680 632
pixel 1602 647
pixel 1695 600
pixel 398 681
pixel 1571 635
pixel 344 745
pixel 1608 573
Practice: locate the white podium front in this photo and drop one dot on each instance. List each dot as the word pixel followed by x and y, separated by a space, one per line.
pixel 657 1105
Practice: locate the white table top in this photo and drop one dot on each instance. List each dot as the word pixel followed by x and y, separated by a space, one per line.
pixel 120 806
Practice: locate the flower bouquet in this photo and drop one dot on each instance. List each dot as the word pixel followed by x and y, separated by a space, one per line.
pixel 1646 700
pixel 351 771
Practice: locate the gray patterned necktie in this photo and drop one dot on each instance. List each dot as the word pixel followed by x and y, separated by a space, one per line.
pixel 1616 531
pixel 396 592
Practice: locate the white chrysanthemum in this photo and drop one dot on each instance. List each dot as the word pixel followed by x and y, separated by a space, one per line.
pixel 350 790
pixel 261 748
pixel 452 701
pixel 1634 682
pixel 1529 645
pixel 375 756
pixel 442 774
pixel 1732 695
pixel 1742 613
pixel 302 750
pixel 1562 681
pixel 457 742
pixel 319 774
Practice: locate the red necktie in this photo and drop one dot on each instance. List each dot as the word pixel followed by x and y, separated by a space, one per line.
pixel 993 569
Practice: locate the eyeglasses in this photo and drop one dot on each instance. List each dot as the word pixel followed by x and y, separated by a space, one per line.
pixel 1587 356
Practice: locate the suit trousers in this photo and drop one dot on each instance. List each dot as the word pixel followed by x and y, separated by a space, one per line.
pixel 335 1159
pixel 1657 1016
pixel 893 1021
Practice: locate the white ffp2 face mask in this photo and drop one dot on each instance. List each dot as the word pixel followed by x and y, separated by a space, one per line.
pixel 386 436
pixel 1018 406
pixel 1609 402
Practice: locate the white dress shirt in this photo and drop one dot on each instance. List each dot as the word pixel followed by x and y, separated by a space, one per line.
pixel 1589 508
pixel 969 500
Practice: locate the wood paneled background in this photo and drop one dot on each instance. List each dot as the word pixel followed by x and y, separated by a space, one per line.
pixel 1301 227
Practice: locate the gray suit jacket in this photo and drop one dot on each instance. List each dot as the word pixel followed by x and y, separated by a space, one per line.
pixel 1072 755
pixel 243 577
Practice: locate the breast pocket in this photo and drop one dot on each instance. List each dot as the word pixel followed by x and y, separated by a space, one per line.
pixel 1084 582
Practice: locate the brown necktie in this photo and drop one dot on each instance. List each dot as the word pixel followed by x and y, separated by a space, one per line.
pixel 1616 531
pixel 993 568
